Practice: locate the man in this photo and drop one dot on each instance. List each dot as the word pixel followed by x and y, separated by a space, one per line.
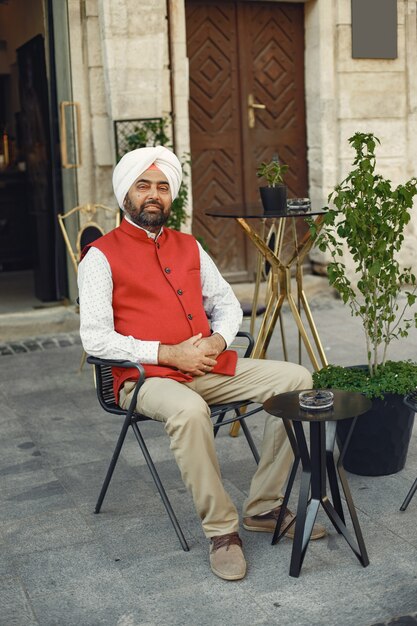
pixel 146 294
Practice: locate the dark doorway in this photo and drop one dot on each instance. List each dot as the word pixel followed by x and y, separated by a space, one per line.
pixel 31 247
pixel 36 151
pixel 241 52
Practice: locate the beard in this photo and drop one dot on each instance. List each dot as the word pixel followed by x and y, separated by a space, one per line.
pixel 141 217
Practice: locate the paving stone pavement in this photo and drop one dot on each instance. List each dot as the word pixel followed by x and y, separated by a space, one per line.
pixel 32 344
pixel 60 564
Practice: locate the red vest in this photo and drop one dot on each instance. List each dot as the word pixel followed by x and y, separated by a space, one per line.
pixel 157 294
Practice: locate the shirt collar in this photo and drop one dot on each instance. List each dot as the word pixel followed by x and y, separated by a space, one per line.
pixel 150 235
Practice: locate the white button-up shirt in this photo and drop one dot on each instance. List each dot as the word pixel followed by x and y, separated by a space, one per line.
pixel 98 335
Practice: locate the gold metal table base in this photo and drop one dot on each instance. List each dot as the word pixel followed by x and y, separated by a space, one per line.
pixel 280 291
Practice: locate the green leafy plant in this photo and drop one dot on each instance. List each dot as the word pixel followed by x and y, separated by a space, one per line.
pixel 178 215
pixel 396 377
pixel 154 133
pixel 368 219
pixel 273 172
pixel 148 133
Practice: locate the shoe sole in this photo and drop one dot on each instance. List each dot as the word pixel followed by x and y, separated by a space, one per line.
pixel 289 534
pixel 226 577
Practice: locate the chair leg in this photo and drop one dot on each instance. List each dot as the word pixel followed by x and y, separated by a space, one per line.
pixel 409 496
pixel 219 422
pixel 246 431
pixel 160 487
pixel 234 429
pixel 250 440
pixel 112 465
pixel 82 362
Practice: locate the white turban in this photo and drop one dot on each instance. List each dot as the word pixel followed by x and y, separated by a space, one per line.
pixel 134 163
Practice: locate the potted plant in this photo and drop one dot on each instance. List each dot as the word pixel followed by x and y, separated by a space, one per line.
pixel 274 196
pixel 367 219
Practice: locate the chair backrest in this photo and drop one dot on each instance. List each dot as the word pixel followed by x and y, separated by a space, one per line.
pixel 104 387
pixel 85 227
pixel 89 233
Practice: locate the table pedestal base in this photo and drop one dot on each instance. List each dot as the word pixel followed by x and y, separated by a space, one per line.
pixel 315 464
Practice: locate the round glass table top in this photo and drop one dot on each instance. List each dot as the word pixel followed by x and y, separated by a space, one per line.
pixel 345 404
pixel 251 211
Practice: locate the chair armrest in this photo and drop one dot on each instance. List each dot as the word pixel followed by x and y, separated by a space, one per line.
pixel 93 360
pixel 251 342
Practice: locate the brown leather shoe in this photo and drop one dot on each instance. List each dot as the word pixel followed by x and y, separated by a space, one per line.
pixel 266 524
pixel 226 557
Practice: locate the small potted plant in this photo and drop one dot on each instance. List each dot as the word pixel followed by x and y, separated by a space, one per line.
pixel 274 196
pixel 368 218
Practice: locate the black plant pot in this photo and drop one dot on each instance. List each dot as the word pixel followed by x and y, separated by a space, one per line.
pixel 379 442
pixel 274 199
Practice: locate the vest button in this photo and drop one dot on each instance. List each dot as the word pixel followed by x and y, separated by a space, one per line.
pixel 167 270
pixel 179 292
pixel 190 317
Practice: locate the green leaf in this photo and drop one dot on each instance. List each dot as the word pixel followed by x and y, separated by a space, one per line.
pixel 397 377
pixel 369 223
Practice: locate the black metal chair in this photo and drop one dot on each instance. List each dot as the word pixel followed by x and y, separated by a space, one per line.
pixel 411 401
pixel 105 394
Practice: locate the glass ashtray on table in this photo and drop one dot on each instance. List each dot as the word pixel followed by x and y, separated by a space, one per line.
pixel 298 204
pixel 316 400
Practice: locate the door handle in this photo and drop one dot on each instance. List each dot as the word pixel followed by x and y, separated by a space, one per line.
pixel 66 162
pixel 252 105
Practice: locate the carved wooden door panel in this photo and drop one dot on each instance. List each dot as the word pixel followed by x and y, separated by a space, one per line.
pixel 242 52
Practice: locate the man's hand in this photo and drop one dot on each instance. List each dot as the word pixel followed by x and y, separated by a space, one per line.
pixel 195 356
pixel 212 345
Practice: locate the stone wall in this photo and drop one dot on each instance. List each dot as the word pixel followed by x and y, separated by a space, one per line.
pixel 120 60
pixel 346 95
pixel 180 89
pixel 122 52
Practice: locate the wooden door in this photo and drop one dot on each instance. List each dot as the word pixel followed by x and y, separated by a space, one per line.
pixel 237 51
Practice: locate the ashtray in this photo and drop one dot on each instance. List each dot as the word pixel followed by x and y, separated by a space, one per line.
pixel 316 400
pixel 298 204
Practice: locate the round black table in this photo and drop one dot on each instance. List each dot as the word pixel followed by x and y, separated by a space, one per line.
pixel 255 211
pixel 317 464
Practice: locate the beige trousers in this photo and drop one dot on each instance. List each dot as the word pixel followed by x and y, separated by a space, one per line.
pixel 183 407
